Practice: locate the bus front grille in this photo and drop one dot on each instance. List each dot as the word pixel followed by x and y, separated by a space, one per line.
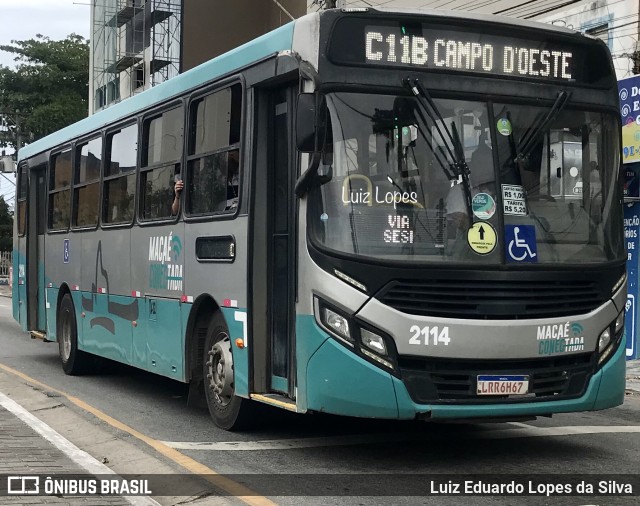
pixel 430 380
pixel 492 299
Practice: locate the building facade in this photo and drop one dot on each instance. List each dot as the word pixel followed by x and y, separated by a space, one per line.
pixel 616 22
pixel 136 44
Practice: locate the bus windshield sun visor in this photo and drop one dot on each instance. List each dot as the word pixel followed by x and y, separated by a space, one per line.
pixel 459 173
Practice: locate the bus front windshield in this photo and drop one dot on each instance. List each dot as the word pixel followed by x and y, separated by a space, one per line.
pixel 392 190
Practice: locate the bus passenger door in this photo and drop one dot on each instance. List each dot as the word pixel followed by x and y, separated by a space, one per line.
pixel 35 250
pixel 273 267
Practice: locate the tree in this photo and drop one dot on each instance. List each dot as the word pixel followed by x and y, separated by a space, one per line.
pixel 48 90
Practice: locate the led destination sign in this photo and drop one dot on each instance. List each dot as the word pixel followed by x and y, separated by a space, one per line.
pixel 454 51
pixel 470 47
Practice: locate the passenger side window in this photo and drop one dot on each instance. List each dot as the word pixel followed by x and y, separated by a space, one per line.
pixel 214 153
pixel 60 191
pixel 162 152
pixel 86 188
pixel 120 176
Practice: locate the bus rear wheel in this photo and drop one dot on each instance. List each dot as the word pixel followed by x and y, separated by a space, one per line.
pixel 74 361
pixel 228 411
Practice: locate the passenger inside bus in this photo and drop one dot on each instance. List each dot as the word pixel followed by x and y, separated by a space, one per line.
pixel 177 190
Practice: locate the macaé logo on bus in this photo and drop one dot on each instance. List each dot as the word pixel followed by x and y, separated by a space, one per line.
pixel 560 338
pixel 165 273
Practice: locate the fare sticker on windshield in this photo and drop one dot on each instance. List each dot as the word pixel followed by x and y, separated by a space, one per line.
pixel 513 200
pixel 482 238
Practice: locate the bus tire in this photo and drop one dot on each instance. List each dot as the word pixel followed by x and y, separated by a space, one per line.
pixel 229 412
pixel 73 360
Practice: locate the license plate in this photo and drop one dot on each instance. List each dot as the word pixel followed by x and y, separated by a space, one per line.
pixel 502 385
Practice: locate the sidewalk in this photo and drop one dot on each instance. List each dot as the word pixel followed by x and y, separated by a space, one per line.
pixel 25 452
pixel 5 291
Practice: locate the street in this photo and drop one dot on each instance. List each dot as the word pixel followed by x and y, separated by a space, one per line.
pixel 135 422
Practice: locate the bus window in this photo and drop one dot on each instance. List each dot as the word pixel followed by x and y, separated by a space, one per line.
pixel 213 167
pixel 162 151
pixel 60 191
pixel 120 176
pixel 86 189
pixel 22 200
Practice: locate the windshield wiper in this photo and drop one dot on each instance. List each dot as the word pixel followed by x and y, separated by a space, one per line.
pixel 532 136
pixel 459 166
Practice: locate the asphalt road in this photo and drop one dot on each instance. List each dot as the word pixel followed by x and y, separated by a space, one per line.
pixel 331 451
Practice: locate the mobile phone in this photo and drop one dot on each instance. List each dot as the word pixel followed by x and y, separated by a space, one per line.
pixel 177 178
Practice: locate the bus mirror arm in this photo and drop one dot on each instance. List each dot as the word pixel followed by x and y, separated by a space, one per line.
pixel 307 177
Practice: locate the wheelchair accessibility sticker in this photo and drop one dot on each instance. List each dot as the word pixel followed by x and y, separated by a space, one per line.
pixel 520 243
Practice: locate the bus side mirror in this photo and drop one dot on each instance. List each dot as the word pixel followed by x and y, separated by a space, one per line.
pixel 311 122
pixel 7 164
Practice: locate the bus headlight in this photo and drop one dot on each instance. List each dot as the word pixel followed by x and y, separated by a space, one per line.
pixel 610 338
pixel 368 343
pixel 337 323
pixel 373 341
pixel 604 340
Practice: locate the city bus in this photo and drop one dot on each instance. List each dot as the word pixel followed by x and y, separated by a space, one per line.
pixel 386 214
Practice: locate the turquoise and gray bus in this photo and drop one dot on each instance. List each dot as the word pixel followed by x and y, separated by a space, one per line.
pixel 386 214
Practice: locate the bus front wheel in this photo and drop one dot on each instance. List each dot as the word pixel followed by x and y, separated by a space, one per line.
pixel 73 360
pixel 228 411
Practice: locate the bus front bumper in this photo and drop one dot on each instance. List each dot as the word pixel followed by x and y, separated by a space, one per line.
pixel 339 382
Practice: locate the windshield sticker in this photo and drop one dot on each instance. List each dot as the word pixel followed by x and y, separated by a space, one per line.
pixel 482 238
pixel 520 242
pixel 513 200
pixel 483 205
pixel 504 127
pixel 560 338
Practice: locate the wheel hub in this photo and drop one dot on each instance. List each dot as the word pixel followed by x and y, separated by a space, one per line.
pixel 220 371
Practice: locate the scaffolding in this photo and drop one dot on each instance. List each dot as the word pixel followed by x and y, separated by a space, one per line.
pixel 135 45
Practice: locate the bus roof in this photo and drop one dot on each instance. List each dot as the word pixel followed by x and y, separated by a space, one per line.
pixel 273 42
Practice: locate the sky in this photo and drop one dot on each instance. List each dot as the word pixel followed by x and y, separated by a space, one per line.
pixel 24 19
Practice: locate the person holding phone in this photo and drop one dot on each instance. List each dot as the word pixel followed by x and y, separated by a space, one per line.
pixel 178 185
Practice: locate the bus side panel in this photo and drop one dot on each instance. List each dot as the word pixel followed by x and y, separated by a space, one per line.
pixel 164 342
pixel 340 382
pixel 224 280
pixel 106 294
pixel 157 270
pixel 237 324
pixel 59 269
pixel 19 289
pixel 52 312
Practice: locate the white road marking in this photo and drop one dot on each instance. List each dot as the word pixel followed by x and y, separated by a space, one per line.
pixel 3 305
pixel 80 457
pixel 518 430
